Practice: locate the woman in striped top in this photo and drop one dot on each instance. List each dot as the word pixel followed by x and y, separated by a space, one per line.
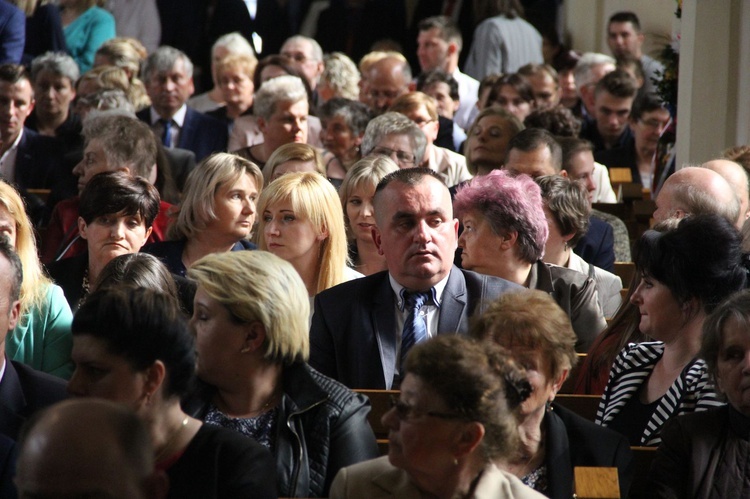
pixel 685 273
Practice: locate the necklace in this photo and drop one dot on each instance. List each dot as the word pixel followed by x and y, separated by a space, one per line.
pixel 170 441
pixel 265 406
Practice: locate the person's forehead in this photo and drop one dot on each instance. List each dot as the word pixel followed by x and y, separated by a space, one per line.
pixel 621 26
pixel 21 87
pixel 604 98
pixel 438 87
pixel 427 195
pixel 396 141
pixel 285 107
pixel 659 114
pixel 534 162
pixel 298 46
pixel 582 161
pixel 432 34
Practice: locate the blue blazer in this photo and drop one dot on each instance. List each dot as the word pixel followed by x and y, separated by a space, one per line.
pixel 12 33
pixel 201 134
pixel 353 333
pixel 23 391
pixel 597 247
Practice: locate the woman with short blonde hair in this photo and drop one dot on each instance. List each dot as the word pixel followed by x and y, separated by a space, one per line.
pixel 301 221
pixel 293 157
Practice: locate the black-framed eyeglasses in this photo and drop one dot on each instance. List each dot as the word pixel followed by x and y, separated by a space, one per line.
pixel 406 412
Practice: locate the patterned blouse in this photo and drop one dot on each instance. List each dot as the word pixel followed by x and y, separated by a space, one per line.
pixel 260 428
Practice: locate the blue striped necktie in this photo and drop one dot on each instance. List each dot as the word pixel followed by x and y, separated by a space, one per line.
pixel 415 327
pixel 166 136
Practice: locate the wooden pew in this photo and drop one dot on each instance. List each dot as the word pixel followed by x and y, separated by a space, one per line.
pixel 596 483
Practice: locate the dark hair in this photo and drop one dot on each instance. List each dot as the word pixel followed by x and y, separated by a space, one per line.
pixel 617 83
pixel 428 78
pixel 13 73
pixel 478 381
pixel 284 63
pixel 16 276
pixel 735 309
pixel 449 32
pixel 110 193
pixel 558 120
pixel 519 84
pixel 356 114
pixel 531 139
pixel 137 270
pixel 701 258
pixel 571 146
pixel 142 326
pixel 645 104
pixel 568 202
pixel 484 9
pixel 625 17
pixel 408 176
pixel 566 61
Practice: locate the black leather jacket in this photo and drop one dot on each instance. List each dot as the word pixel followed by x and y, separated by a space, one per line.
pixel 322 427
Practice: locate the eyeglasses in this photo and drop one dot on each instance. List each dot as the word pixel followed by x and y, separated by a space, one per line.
pixel 406 412
pixel 401 157
pixel 655 124
pixel 420 122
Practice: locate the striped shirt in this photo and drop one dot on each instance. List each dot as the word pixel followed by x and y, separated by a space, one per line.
pixel 692 391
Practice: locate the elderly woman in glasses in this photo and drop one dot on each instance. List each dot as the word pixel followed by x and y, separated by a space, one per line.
pixel 452 421
pixel 396 136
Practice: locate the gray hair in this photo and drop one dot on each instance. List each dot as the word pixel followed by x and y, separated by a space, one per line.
pixel 391 123
pixel 163 59
pixel 235 43
pixel 342 75
pixel 280 89
pixel 586 64
pixel 356 114
pixel 107 100
pixel 317 52
pixel 58 63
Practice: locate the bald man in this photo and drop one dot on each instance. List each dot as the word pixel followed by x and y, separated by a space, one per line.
pixel 694 190
pixel 738 179
pixel 88 448
pixel 387 79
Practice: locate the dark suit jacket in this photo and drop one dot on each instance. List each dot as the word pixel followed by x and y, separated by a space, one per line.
pixel 597 247
pixel 353 332
pixel 621 157
pixel 23 391
pixel 200 133
pixel 39 162
pixel 7 468
pixel 590 132
pixel 68 274
pixel 574 441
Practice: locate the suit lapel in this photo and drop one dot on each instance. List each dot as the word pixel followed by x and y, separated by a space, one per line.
pixel 452 318
pixel 384 328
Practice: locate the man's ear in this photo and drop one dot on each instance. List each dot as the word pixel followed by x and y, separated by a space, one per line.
pixel 14 313
pixel 564 173
pixel 376 239
pixel 261 124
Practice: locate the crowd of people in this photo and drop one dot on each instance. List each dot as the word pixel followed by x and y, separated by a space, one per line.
pixel 213 244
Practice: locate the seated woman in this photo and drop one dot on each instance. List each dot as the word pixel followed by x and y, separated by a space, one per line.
pixel 513 93
pixel 41 337
pixel 234 77
pixel 344 122
pixel 301 221
pixel 452 422
pixel 129 55
pixel 294 157
pixel 488 140
pixel 356 195
pixel 538 335
pixel 339 79
pixel 216 214
pixel 251 328
pixel 504 235
pixel 53 76
pixel 567 210
pixel 86 27
pixel 685 273
pixel 141 270
pixel 132 346
pixel 116 213
pixel 704 454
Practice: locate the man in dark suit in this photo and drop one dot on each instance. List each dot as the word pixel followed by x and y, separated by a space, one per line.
pixel 168 76
pixel 27 159
pixel 23 391
pixel 12 33
pixel 362 329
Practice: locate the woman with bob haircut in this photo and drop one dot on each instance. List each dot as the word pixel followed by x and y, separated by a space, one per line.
pixel 567 209
pixel 505 231
pixel 132 346
pixel 129 55
pixel 356 193
pixel 216 213
pixel 538 336
pixel 704 454
pixel 116 215
pixel 41 338
pixel 252 341
pixel 234 77
pixel 685 273
pixel 343 124
pixel 450 427
pixel 488 139
pixel 294 157
pixel 301 221
pixel 513 93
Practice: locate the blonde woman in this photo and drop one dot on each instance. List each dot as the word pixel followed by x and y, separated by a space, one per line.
pixel 340 78
pixel 127 54
pixel 302 222
pixel 42 337
pixel 234 77
pixel 294 157
pixel 356 195
pixel 217 212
